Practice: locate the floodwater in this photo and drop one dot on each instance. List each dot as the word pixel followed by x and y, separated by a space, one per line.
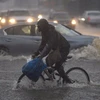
pixel 87 58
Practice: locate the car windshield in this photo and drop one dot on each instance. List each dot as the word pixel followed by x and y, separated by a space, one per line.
pixel 60 15
pixel 94 14
pixel 18 13
pixel 65 31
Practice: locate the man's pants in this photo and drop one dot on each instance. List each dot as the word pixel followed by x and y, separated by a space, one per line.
pixel 59 67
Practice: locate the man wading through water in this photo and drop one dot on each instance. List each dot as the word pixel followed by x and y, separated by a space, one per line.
pixel 51 40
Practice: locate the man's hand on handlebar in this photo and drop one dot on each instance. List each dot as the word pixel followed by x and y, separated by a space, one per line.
pixel 36 54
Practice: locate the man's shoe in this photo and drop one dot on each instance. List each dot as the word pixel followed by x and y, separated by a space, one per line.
pixel 68 80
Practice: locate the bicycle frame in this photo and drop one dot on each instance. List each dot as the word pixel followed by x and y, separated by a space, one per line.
pixel 51 76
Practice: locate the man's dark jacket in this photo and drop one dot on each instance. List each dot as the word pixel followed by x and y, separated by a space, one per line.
pixel 51 39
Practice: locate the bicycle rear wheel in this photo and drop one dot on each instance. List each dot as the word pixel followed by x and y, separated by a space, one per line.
pixel 78 74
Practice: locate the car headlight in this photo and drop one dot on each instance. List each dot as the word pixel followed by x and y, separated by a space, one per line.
pixel 3 20
pixel 73 22
pixel 83 19
pixel 12 21
pixel 40 16
pixel 30 20
pixel 55 21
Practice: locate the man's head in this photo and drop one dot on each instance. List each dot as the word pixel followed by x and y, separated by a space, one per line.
pixel 42 25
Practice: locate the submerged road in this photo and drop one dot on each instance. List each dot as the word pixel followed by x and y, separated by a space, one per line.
pixel 11 70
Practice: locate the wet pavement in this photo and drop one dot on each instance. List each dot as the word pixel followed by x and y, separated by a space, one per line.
pixel 88 29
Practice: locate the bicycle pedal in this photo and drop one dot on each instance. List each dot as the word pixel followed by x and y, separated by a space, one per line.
pixel 48 79
pixel 57 74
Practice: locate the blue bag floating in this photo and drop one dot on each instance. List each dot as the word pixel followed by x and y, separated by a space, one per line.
pixel 33 69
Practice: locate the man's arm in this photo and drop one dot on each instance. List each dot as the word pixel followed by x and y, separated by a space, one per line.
pixel 42 45
pixel 47 48
pixel 45 51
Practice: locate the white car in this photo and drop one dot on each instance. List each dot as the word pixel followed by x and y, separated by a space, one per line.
pixel 91 17
pixel 22 38
pixel 16 16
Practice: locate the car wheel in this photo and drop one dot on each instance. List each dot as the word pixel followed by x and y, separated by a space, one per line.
pixel 4 51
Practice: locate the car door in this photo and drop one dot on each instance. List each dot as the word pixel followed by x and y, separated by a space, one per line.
pixel 21 39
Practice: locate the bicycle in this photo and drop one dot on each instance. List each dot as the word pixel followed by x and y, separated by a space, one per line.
pixel 53 74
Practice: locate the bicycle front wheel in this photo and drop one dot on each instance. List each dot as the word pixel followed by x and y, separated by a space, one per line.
pixel 78 74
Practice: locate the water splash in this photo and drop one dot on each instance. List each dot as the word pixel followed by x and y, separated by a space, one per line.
pixel 40 84
pixel 12 58
pixel 15 86
pixel 95 83
pixel 30 85
pixel 88 52
pixel 77 85
pixel 26 84
pixel 96 44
